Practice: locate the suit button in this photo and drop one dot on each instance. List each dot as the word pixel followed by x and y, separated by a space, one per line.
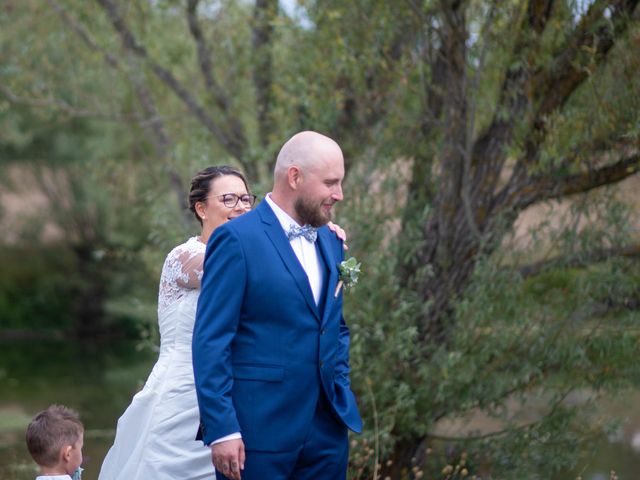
pixel 322 332
pixel 321 364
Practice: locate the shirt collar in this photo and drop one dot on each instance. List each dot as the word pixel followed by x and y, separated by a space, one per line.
pixel 283 217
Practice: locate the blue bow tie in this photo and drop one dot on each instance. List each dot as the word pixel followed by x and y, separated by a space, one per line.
pixel 307 231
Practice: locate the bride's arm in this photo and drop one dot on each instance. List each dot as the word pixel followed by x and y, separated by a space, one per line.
pixel 191 269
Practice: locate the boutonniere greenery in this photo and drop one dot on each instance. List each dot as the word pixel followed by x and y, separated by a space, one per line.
pixel 349 270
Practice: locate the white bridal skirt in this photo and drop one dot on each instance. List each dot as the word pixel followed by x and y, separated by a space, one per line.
pixel 155 437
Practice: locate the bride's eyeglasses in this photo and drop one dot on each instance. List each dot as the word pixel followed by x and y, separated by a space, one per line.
pixel 230 200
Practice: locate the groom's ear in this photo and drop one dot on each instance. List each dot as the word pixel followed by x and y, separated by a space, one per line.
pixel 294 177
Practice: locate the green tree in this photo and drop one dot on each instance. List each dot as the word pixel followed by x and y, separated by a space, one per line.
pixel 455 117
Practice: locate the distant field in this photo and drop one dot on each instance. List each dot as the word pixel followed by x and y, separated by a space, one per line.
pixel 29 205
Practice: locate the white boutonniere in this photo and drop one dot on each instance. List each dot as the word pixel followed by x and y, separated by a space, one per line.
pixel 349 271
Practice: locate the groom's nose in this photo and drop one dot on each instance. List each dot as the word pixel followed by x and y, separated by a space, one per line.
pixel 336 195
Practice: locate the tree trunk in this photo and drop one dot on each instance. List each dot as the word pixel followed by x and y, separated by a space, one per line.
pixel 470 211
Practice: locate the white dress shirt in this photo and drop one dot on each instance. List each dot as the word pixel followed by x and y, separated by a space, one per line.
pixel 304 249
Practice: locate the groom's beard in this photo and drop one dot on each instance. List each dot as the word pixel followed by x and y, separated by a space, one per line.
pixel 311 213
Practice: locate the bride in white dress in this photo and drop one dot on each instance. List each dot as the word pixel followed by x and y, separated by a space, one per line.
pixel 155 437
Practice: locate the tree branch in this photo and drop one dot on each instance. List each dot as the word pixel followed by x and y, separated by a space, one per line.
pixel 510 429
pixel 581 259
pixel 84 34
pixel 204 55
pixel 204 59
pixel 68 109
pixel 472 92
pixel 222 101
pixel 455 113
pixel 594 34
pixel 557 185
pixel 151 121
pixel 236 146
pixel 264 13
pixel 553 86
pixel 514 100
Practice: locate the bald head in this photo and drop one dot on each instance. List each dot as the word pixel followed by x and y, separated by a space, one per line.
pixel 308 177
pixel 305 150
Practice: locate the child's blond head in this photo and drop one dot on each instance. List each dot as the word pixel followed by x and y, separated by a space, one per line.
pixel 50 431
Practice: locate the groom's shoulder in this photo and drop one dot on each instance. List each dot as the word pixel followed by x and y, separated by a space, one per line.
pixel 330 237
pixel 248 221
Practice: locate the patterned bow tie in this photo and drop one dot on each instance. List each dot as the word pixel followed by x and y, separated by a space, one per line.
pixel 307 231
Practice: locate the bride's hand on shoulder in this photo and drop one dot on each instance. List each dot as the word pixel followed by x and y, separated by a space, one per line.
pixel 340 233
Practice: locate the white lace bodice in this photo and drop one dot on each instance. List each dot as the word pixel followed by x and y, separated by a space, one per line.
pixel 181 272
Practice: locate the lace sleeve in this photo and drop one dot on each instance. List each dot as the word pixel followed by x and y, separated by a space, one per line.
pixel 191 269
pixel 182 271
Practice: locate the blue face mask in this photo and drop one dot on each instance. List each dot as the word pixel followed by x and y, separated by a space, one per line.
pixel 77 475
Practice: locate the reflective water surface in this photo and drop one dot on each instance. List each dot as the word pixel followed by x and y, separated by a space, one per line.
pixel 616 456
pixel 97 381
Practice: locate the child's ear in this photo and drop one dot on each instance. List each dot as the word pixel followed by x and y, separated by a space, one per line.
pixel 66 453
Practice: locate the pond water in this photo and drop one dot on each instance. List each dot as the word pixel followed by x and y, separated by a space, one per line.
pixel 619 452
pixel 99 381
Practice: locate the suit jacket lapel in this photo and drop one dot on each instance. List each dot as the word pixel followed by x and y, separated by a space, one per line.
pixel 277 236
pixel 330 273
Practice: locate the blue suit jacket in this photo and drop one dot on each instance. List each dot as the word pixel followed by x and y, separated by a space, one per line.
pixel 262 350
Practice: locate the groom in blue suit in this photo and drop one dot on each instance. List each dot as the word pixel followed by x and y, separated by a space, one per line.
pixel 270 345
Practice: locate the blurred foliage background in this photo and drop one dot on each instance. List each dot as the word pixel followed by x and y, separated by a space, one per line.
pixel 492 151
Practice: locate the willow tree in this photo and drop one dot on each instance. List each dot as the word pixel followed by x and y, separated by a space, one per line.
pixel 498 106
pixel 485 108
